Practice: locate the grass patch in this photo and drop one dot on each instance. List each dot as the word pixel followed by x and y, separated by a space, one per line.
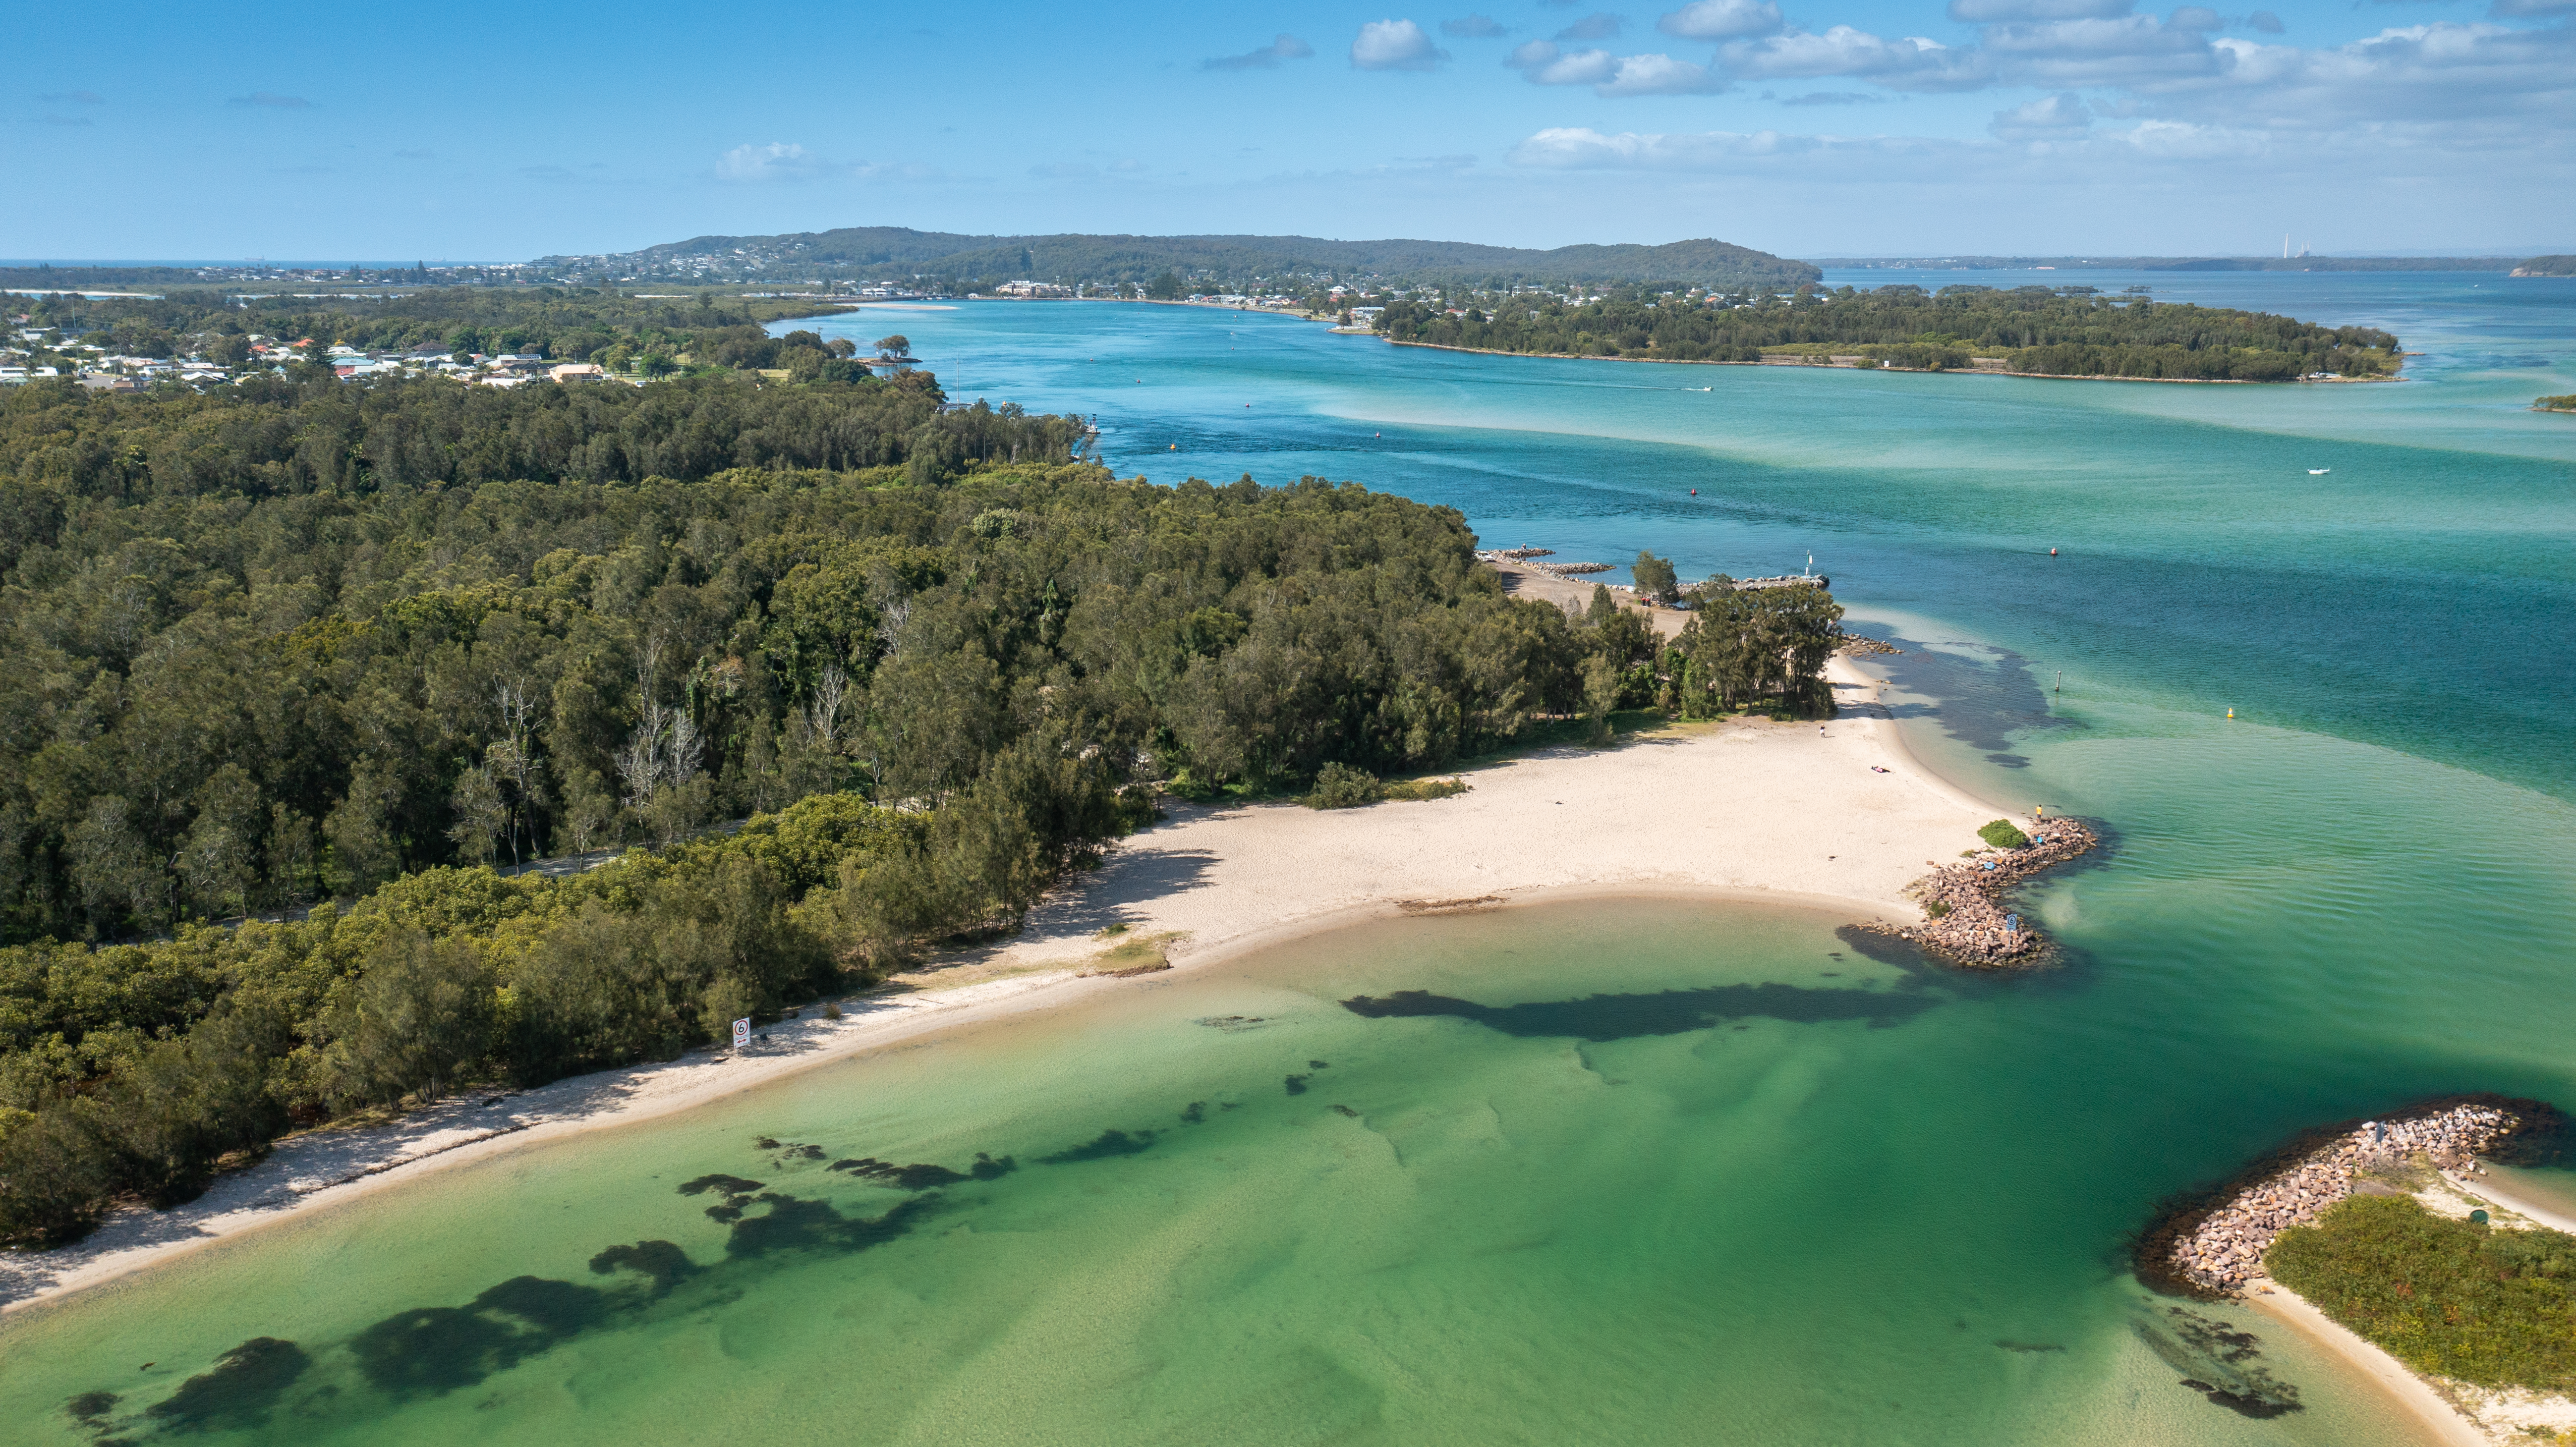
pixel 1142 955
pixel 2003 835
pixel 2489 1307
pixel 1339 786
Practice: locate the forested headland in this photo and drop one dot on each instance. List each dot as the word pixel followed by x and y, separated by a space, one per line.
pixel 2028 329
pixel 847 670
pixel 954 262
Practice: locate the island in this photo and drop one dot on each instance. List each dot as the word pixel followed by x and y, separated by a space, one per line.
pixel 2033 331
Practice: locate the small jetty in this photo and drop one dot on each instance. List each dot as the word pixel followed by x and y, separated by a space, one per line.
pixel 2210 1244
pixel 1965 921
pixel 1528 559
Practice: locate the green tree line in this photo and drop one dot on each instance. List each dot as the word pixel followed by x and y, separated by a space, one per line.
pixel 560 323
pixel 900 254
pixel 930 695
pixel 2032 328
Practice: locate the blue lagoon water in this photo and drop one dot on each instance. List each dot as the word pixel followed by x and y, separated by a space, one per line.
pixel 1849 1200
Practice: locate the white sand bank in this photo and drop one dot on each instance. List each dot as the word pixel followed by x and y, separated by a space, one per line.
pixel 1749 810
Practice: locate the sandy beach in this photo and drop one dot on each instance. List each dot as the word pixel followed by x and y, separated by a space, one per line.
pixel 1747 810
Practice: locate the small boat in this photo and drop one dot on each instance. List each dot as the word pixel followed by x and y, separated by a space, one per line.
pixel 2319 471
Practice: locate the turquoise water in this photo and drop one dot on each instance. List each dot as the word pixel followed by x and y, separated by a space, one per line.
pixel 1889 1208
pixel 1620 1171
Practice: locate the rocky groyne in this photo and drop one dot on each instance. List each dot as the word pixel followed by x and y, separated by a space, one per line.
pixel 1965 920
pixel 2210 1244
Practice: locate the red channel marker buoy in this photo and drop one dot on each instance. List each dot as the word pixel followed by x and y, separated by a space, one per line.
pixel 2052 552
pixel 1694 492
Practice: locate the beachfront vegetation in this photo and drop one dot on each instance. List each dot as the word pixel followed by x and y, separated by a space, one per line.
pixel 1754 648
pixel 2555 404
pixel 2028 329
pixel 1339 786
pixel 2482 1305
pixel 300 641
pixel 1654 577
pixel 2003 835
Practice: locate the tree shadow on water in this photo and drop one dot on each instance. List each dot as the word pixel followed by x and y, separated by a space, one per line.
pixel 1600 1018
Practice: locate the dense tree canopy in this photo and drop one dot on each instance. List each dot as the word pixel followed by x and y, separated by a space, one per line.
pixel 294 640
pixel 2031 328
pixel 559 323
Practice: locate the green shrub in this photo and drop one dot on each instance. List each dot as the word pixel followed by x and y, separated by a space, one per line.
pixel 1425 789
pixel 1339 786
pixel 2555 404
pixel 2486 1306
pixel 2003 835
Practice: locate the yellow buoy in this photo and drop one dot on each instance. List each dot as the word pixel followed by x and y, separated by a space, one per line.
pixel 2231 713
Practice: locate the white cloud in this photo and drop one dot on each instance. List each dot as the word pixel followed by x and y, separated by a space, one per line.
pixel 1582 148
pixel 1910 63
pixel 2511 9
pixel 1659 75
pixel 1613 77
pixel 777 161
pixel 2183 141
pixel 1472 26
pixel 1596 26
pixel 1262 57
pixel 1541 63
pixel 1988 12
pixel 1722 19
pixel 1395 45
pixel 787 161
pixel 2050 118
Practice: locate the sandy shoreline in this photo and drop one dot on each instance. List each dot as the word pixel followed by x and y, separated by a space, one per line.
pixel 2408 1391
pixel 1745 810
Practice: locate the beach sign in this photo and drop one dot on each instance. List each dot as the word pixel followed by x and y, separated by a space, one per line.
pixel 741 1033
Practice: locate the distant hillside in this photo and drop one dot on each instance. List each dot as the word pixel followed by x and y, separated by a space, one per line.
pixel 2547 266
pixel 2179 263
pixel 895 253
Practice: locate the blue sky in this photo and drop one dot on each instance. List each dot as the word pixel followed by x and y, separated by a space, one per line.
pixel 1806 127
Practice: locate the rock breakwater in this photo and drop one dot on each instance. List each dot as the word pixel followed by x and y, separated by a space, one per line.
pixel 1964 917
pixel 2211 1244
